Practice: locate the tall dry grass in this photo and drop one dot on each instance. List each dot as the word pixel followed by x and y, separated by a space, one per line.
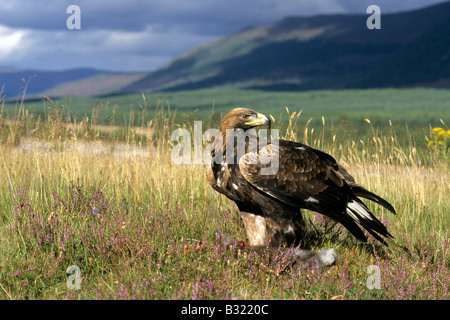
pixel 109 200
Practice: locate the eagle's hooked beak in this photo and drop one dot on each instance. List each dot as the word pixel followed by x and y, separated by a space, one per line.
pixel 261 120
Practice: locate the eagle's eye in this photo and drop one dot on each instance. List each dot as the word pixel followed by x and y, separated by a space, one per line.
pixel 246 116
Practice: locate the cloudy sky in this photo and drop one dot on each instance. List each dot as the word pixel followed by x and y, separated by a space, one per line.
pixel 143 35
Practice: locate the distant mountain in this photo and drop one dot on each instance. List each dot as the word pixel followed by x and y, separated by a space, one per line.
pixel 14 80
pixel 76 82
pixel 328 51
pixel 95 85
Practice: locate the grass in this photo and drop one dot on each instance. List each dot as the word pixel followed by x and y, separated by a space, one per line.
pixel 109 200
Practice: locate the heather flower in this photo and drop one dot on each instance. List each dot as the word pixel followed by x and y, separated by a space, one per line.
pixel 95 211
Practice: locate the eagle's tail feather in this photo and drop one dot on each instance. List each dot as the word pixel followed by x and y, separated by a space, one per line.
pixel 359 213
pixel 351 226
pixel 363 192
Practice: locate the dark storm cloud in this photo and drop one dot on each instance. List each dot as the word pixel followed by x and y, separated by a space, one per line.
pixel 203 16
pixel 199 16
pixel 143 34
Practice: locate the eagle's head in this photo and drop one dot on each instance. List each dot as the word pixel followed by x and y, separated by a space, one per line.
pixel 243 118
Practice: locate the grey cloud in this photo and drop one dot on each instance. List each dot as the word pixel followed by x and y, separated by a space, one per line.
pixel 211 17
pixel 143 35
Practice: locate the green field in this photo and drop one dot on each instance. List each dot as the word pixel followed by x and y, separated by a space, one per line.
pixel 90 182
pixel 416 108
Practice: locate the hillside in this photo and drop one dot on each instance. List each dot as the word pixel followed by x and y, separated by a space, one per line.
pixel 424 61
pixel 329 51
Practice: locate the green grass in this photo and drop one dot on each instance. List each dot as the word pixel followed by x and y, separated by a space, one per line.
pixel 416 108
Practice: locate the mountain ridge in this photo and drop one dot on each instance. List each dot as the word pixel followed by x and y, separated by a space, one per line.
pixel 297 53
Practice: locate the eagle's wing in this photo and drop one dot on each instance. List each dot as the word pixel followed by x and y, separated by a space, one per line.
pixel 303 179
pixel 308 178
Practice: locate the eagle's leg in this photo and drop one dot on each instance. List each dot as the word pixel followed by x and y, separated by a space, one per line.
pixel 256 227
pixel 264 232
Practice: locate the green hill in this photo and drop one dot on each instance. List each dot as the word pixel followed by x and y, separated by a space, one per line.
pixel 423 61
pixel 329 51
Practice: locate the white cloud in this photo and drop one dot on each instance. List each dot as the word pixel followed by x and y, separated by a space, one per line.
pixel 11 42
pixel 103 49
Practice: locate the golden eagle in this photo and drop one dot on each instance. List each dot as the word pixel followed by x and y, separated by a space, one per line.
pixel 304 178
